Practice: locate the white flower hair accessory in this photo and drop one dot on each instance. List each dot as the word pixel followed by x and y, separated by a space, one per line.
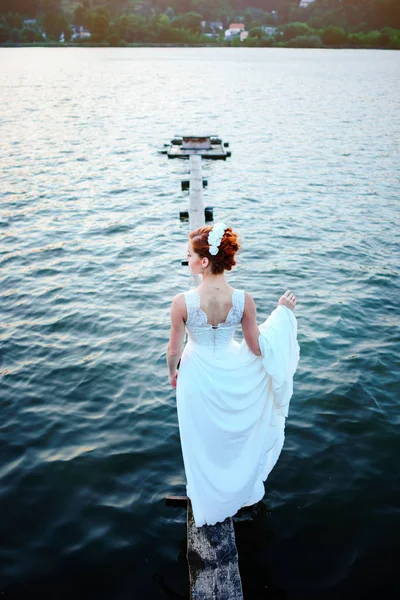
pixel 215 237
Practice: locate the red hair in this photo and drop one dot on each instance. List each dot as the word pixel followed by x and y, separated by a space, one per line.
pixel 225 259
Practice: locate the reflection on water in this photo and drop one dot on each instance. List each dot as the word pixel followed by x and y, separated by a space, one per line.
pixel 90 257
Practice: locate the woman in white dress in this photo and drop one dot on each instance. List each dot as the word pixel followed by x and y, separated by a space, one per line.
pixel 232 398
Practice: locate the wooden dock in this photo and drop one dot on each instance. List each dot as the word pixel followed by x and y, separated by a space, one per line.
pixel 211 550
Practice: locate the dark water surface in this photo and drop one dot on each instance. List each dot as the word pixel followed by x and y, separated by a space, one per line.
pixel 90 258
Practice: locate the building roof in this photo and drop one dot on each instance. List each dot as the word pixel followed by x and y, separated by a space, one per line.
pixel 236 26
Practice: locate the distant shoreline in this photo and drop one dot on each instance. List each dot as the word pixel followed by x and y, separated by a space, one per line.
pixel 181 45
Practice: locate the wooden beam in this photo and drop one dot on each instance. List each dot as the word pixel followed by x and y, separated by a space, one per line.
pixel 213 561
pixel 176 500
pixel 211 550
pixel 196 207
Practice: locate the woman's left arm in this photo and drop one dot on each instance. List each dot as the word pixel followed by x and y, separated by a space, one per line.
pixel 174 348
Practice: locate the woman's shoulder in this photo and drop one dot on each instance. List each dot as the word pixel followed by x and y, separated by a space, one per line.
pixel 249 302
pixel 178 307
pixel 178 299
pixel 248 295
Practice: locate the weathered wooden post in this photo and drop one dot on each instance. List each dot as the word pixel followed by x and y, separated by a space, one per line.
pixel 211 550
pixel 213 561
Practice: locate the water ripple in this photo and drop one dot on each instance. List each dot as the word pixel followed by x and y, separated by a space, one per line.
pixel 91 257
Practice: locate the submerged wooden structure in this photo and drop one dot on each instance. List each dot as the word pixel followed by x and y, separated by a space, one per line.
pixel 211 550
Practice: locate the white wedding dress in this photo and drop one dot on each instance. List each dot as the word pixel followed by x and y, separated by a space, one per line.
pixel 232 407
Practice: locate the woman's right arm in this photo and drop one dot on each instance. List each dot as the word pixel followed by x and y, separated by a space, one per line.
pixel 288 299
pixel 249 325
pixel 249 321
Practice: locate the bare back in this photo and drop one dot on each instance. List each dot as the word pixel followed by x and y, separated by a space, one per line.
pixel 215 303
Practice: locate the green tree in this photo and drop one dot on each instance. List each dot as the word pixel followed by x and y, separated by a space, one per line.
pixel 163 29
pixel 4 33
pixel 286 10
pixel 381 13
pixel 181 6
pixel 81 16
pixel 14 20
pixel 305 41
pixel 256 32
pixel 251 42
pixel 352 14
pixel 364 40
pixel 371 39
pixel 99 26
pixel 292 30
pixel 131 28
pixel 27 8
pixel 334 36
pixel 50 6
pixel 394 43
pixel 53 25
pixel 268 41
pixel 386 35
pixel 29 35
pixel 113 39
pixel 206 8
pixel 163 22
pixel 355 39
pixel 257 15
pixel 15 35
pixel 190 21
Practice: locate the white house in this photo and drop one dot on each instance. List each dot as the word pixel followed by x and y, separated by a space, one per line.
pixel 305 3
pixel 234 30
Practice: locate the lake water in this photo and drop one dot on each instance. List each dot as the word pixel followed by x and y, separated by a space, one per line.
pixel 90 257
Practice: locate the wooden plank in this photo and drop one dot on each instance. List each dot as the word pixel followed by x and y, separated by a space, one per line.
pixel 213 561
pixel 196 206
pixel 216 152
pixel 176 500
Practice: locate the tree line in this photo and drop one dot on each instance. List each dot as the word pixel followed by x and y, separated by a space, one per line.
pixel 342 23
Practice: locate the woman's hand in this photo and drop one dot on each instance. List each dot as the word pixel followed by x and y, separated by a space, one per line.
pixel 288 299
pixel 173 380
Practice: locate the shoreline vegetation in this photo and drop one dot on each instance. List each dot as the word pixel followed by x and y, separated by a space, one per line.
pixel 180 45
pixel 342 24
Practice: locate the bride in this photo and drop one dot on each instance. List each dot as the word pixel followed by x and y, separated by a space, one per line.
pixel 232 398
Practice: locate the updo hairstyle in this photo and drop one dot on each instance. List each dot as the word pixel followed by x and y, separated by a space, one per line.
pixel 225 258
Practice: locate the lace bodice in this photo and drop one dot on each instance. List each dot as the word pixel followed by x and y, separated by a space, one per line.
pixel 203 333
